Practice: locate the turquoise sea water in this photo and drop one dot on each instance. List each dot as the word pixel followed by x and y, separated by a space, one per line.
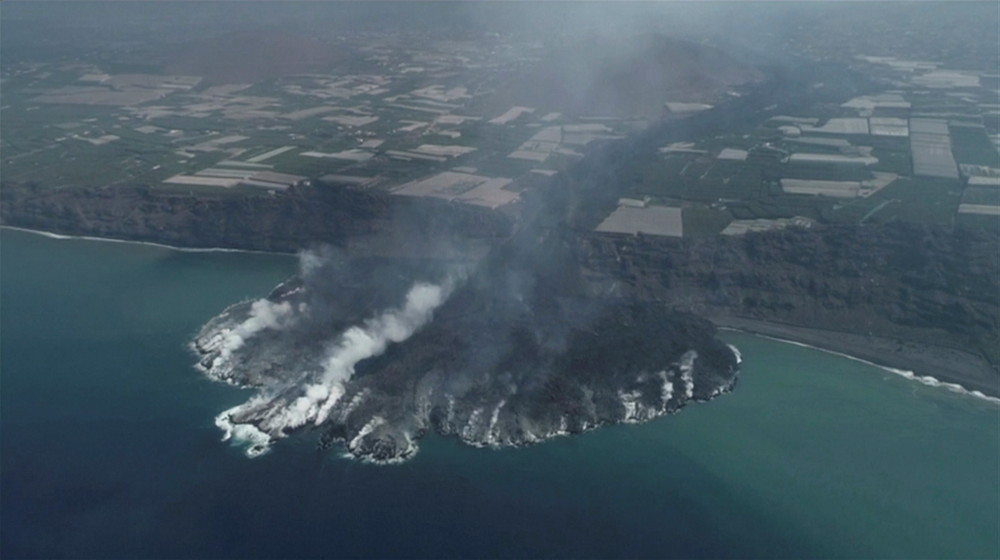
pixel 109 449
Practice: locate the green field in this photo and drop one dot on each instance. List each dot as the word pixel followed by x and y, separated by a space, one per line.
pixel 702 221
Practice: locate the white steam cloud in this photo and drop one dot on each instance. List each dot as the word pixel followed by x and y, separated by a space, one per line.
pixel 264 314
pixel 357 343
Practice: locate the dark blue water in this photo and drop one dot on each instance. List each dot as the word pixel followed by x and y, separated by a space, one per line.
pixel 109 449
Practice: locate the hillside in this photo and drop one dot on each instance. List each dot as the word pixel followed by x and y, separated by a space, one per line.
pixel 286 222
pixel 914 297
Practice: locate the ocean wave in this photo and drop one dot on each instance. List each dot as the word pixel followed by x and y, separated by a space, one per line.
pixel 907 374
pixel 52 235
pixel 254 441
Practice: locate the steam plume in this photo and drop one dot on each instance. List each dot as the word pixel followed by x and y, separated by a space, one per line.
pixel 275 411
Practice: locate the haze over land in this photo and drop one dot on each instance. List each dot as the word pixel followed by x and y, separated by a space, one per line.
pixel 604 178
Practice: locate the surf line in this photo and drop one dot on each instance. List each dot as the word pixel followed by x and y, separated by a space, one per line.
pixel 907 374
pixel 60 236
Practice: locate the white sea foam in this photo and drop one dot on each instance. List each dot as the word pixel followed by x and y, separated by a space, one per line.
pixel 255 441
pixel 922 379
pixel 52 235
pixel 406 454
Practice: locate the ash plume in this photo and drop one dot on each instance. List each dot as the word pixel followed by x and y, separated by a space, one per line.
pixel 294 316
pixel 516 351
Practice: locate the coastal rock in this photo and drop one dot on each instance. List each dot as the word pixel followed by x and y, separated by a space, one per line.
pixel 930 289
pixel 492 371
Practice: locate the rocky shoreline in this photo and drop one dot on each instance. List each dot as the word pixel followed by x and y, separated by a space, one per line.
pixel 457 365
pixel 943 363
pixel 905 296
pixel 910 291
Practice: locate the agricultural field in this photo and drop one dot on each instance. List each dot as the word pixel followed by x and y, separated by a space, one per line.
pixel 107 122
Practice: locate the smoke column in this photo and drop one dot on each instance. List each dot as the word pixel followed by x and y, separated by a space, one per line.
pixel 263 315
pixel 355 344
pixel 362 342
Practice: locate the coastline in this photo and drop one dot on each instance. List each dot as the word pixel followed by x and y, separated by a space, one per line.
pixel 956 371
pixel 52 235
pixel 936 366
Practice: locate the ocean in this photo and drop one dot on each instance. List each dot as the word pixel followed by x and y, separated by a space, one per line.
pixel 108 447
